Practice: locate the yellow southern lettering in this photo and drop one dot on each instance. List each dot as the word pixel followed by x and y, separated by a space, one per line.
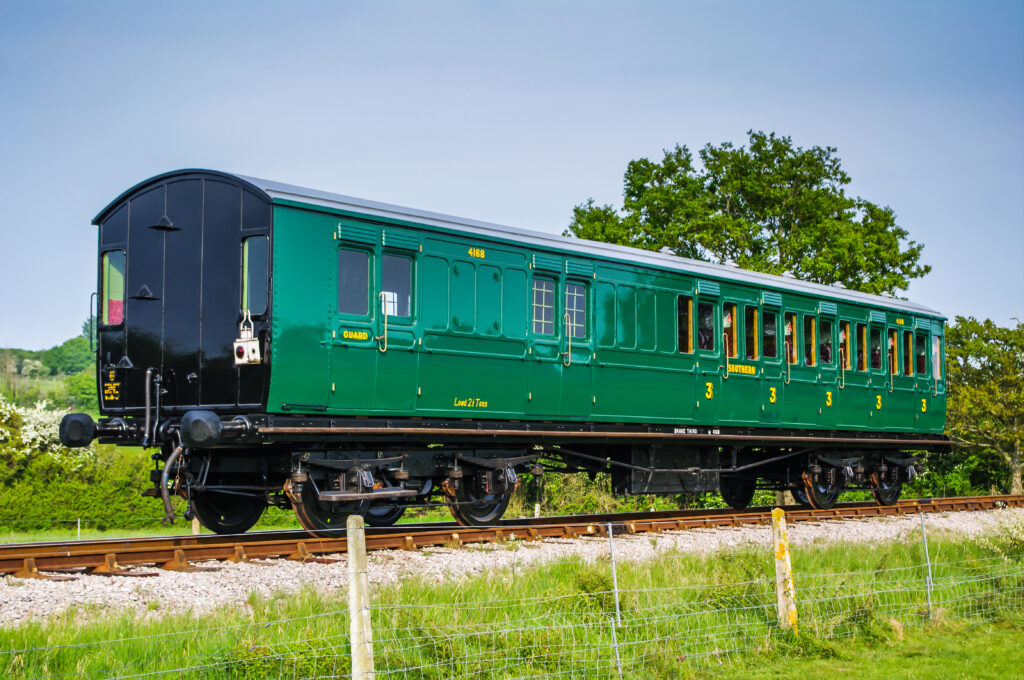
pixel 745 370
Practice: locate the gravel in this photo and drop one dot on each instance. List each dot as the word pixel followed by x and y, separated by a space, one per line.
pixel 225 584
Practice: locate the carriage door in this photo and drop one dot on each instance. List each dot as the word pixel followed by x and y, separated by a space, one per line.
pixel 352 321
pixel 774 376
pixel 828 363
pixel 710 362
pixel 577 393
pixel 144 294
pixel 902 414
pixel 395 322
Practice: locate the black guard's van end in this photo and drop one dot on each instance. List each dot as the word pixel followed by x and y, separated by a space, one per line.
pixel 77 429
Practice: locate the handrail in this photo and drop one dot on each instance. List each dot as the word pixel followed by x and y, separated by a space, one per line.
pixel 789 364
pixel 384 308
pixel 93 321
pixel 725 351
pixel 568 334
pixel 842 368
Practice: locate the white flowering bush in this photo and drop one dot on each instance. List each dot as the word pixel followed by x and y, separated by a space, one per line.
pixel 27 433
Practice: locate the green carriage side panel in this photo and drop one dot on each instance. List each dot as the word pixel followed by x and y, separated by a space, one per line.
pixel 468 347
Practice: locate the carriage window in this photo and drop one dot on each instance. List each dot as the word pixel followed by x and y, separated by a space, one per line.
pixel 353 282
pixel 921 353
pixel 543 307
pixel 685 313
pixel 254 275
pixel 862 344
pixel 876 348
pixel 770 335
pixel 908 353
pixel 750 330
pixel 790 346
pixel 705 326
pixel 825 343
pixel 576 308
pixel 936 357
pixel 810 353
pixel 893 353
pixel 112 297
pixel 844 344
pixel 729 323
pixel 396 285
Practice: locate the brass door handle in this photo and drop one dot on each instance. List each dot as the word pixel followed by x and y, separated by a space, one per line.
pixel 383 347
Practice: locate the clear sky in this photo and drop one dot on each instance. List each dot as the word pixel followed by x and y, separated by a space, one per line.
pixel 510 112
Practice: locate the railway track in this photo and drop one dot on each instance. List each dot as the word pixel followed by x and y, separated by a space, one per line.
pixel 54 560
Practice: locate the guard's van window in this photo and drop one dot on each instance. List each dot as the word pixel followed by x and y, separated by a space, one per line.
pixel 684 312
pixel 543 307
pixel 353 281
pixel 770 335
pixel 254 275
pixel 576 308
pixel 396 285
pixel 705 326
pixel 862 344
pixel 112 297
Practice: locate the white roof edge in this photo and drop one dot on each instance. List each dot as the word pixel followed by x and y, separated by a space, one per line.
pixel 597 248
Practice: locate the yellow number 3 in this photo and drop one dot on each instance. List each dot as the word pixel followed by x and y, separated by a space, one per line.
pixel 878 402
pixel 924 406
pixel 709 393
pixel 828 399
pixel 771 395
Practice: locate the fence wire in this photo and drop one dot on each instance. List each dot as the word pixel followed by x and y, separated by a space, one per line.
pixel 643 629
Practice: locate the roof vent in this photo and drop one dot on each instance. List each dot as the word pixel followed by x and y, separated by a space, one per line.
pixel 788 274
pixel 730 263
pixel 666 250
pixel 838 284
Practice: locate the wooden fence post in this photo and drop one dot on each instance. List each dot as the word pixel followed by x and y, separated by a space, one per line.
pixel 360 632
pixel 783 572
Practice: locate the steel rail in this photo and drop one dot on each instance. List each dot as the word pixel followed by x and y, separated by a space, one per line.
pixel 180 552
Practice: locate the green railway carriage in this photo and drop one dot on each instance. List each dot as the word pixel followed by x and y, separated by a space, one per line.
pixel 288 346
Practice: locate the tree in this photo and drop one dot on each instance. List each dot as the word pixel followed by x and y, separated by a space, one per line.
pixel 768 206
pixel 69 357
pixel 985 379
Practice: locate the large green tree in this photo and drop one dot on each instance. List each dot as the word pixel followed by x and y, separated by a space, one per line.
pixel 985 378
pixel 768 206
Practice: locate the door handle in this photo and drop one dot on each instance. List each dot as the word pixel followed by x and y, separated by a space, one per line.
pixel 568 335
pixel 383 347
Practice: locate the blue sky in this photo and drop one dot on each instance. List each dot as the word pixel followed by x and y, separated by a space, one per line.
pixel 510 112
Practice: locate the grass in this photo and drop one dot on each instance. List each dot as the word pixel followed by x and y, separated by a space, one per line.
pixel 681 616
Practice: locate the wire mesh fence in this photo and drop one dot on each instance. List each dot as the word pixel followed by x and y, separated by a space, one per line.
pixel 600 617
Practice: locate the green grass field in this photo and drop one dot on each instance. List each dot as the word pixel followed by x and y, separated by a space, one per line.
pixel 863 611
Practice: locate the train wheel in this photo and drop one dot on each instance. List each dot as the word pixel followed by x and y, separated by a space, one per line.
pixel 323 519
pixel 476 510
pixel 379 515
pixel 800 496
pixel 228 513
pixel 737 491
pixel 885 492
pixel 821 495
